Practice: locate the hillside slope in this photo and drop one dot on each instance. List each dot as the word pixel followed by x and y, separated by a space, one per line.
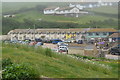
pixel 54 65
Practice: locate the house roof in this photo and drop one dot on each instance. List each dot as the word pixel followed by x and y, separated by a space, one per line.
pixel 115 35
pixel 50 8
pixel 59 30
pixel 46 30
pixel 102 30
pixel 66 8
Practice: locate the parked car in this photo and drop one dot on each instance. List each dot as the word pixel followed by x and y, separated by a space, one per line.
pixel 38 40
pixel 63 49
pixel 47 41
pixel 91 41
pixel 32 43
pixel 39 43
pixel 62 44
pixel 67 41
pixel 27 40
pixel 115 50
pixel 55 41
pixel 80 42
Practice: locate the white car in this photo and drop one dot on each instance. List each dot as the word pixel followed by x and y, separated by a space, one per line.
pixel 62 44
pixel 63 49
pixel 67 41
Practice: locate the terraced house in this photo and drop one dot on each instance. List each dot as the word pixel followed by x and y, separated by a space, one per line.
pixel 99 33
pixel 21 34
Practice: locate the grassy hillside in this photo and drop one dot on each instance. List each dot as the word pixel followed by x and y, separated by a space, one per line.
pixel 13 6
pixel 81 20
pixel 54 65
pixel 106 9
pixel 28 14
pixel 36 14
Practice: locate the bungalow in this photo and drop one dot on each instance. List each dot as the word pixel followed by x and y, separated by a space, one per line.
pixel 99 33
pixel 50 10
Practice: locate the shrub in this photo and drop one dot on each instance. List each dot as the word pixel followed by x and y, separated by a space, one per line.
pixel 6 62
pixel 48 52
pixel 18 71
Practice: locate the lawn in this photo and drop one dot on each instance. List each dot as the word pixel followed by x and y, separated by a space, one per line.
pixel 54 65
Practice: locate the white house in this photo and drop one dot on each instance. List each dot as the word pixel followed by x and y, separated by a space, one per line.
pixel 5 16
pixel 73 11
pixel 50 10
pixel 76 5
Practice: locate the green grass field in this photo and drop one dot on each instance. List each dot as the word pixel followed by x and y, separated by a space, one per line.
pixel 54 65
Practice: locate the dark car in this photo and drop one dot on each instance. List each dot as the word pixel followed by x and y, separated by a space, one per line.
pixel 80 42
pixel 55 41
pixel 38 40
pixel 115 50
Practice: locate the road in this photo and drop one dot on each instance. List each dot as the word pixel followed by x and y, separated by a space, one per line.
pixel 89 47
pixel 115 57
pixel 71 50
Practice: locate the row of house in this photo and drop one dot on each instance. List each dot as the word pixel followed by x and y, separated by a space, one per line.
pixel 76 34
pixel 73 9
pixel 22 34
pixel 67 11
pixel 100 3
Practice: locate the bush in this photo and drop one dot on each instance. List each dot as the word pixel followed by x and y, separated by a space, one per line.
pixel 48 52
pixel 17 71
pixel 6 62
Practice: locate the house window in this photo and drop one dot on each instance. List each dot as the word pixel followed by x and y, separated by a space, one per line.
pixel 63 33
pixel 20 37
pixel 90 34
pixel 97 33
pixel 104 33
pixel 20 33
pixel 61 11
pixel 32 38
